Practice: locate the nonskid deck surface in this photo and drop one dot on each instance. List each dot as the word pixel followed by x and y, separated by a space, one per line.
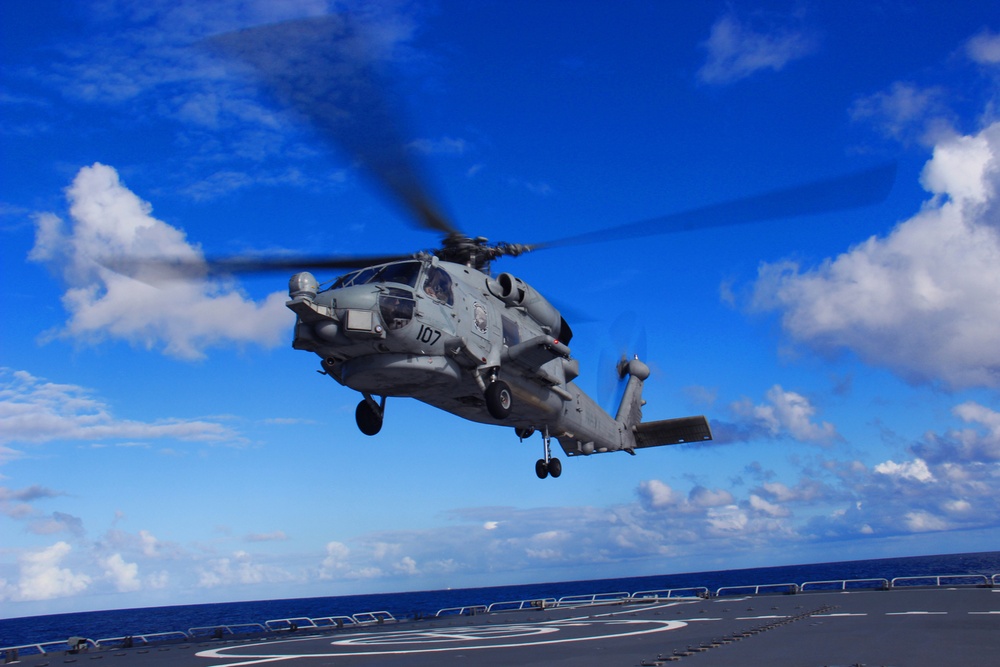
pixel 898 627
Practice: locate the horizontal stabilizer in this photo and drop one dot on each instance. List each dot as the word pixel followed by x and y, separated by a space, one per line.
pixel 672 432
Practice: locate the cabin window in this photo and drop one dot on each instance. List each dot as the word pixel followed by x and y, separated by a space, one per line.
pixel 437 285
pixel 511 333
pixel 396 306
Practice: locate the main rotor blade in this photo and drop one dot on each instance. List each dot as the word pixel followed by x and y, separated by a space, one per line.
pixel 156 269
pixel 327 69
pixel 292 264
pixel 855 190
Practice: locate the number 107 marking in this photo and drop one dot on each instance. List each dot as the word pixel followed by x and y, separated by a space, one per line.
pixel 428 335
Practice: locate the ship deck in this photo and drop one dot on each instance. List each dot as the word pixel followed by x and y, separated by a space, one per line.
pixel 909 626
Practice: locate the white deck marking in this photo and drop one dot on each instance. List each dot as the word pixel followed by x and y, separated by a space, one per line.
pixel 412 642
pixel 836 615
pixel 916 613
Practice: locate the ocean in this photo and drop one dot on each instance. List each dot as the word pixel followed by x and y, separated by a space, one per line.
pixel 118 623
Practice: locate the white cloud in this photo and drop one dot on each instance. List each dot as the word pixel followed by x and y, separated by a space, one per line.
pixel 241 569
pixel 915 470
pixel 35 410
pixel 728 519
pixel 761 505
pixel 124 576
pixel 984 48
pixel 702 497
pixel 407 566
pixel 43 578
pixel 921 522
pixel 736 50
pixel 335 561
pixel 967 445
pixel 925 300
pixel 784 413
pixel 111 225
pixel 904 109
pixel 657 495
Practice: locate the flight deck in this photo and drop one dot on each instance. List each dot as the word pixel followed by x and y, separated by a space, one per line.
pixel 911 626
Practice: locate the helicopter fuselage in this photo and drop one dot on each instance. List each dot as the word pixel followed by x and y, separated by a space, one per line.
pixel 442 333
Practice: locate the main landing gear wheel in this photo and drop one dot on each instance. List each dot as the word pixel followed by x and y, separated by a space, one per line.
pixel 368 418
pixel 543 469
pixel 548 465
pixel 499 399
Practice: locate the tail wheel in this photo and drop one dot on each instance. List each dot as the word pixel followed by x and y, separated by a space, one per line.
pixel 499 399
pixel 368 418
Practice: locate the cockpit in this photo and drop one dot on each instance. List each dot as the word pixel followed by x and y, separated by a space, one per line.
pixel 396 304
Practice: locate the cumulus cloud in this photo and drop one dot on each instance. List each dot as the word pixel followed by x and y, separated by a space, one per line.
pixel 978 443
pixel 784 414
pixel 112 226
pixel 736 50
pixel 36 410
pixel 44 578
pixel 915 470
pixel 124 576
pixel 923 301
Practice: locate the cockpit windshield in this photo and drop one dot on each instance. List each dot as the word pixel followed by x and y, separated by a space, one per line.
pixel 402 273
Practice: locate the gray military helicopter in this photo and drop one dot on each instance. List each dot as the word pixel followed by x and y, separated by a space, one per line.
pixel 438 325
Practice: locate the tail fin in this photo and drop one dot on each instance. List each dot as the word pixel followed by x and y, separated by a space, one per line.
pixel 630 409
pixel 658 433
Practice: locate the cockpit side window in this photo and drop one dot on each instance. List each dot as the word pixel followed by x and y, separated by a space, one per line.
pixel 438 286
pixel 397 307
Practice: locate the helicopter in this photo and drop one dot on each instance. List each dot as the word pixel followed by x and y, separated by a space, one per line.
pixel 437 325
pixel 487 349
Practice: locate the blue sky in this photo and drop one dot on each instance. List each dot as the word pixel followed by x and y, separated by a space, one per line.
pixel 163 445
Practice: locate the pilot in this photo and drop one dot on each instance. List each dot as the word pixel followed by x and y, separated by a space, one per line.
pixel 438 285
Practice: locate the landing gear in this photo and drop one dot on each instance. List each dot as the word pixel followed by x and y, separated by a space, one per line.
pixel 549 465
pixel 369 415
pixel 498 399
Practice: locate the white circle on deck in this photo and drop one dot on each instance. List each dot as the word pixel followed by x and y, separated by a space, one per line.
pixel 439 640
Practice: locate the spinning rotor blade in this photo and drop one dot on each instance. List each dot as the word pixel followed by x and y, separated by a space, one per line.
pixel 326 69
pixel 855 190
pixel 294 264
pixel 157 269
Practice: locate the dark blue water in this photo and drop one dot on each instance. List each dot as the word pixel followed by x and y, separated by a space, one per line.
pixel 117 623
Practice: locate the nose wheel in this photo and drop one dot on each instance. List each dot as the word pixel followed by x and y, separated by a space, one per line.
pixel 548 465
